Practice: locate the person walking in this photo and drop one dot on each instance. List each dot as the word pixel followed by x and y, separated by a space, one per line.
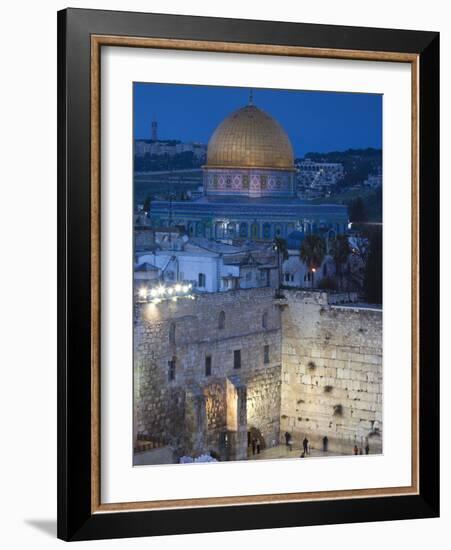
pixel 367 449
pixel 305 445
pixel 325 444
pixel 287 438
pixel 290 443
pixel 356 450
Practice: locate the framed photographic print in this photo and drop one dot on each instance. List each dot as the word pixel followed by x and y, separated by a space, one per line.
pixel 248 274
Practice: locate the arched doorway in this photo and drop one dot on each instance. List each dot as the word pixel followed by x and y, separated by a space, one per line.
pixel 255 231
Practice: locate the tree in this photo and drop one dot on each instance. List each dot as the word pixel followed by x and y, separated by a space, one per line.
pixel 280 246
pixel 357 211
pixel 327 283
pixel 340 251
pixel 312 253
pixel 373 271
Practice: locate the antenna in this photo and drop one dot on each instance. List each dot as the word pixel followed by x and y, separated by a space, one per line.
pixel 154 129
pixel 170 204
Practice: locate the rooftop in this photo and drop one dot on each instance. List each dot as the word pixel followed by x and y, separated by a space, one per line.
pixel 146 266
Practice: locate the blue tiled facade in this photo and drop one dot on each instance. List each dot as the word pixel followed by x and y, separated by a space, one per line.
pixel 256 219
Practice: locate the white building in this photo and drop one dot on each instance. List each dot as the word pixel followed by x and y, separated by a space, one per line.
pixel 171 148
pixel 146 272
pixel 211 266
pixel 319 175
pixel 296 274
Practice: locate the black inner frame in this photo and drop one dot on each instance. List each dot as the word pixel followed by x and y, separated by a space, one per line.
pixel 75 521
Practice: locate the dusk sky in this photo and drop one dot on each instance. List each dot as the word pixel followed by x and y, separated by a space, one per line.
pixel 314 121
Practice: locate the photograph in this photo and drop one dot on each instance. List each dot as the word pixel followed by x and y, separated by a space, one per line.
pixel 257 274
pixel 231 221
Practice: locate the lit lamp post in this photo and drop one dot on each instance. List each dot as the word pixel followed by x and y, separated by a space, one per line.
pixel 142 294
pixel 276 248
pixel 163 292
pixel 313 275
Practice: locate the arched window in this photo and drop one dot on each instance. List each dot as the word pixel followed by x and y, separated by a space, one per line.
pixel 221 320
pixel 243 229
pixel 200 229
pixel 265 320
pixel 255 231
pixel 172 333
pixel 201 280
pixel 266 230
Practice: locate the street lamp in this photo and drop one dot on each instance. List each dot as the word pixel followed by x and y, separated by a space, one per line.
pixel 142 293
pixel 163 292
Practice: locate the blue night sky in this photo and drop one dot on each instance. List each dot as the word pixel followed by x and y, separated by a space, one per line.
pixel 314 121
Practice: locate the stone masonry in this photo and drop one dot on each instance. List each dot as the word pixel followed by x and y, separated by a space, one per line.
pixel 331 373
pixel 178 402
pixel 211 373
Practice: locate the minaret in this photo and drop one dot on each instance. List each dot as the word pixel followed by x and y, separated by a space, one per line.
pixel 154 133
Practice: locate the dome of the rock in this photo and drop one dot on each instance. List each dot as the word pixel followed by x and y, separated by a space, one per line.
pixel 250 138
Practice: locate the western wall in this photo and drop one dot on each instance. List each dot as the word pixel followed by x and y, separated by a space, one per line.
pixel 331 372
pixel 213 373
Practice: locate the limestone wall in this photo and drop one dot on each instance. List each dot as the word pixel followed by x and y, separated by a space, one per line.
pixel 263 405
pixel 331 372
pixel 188 331
pixel 321 376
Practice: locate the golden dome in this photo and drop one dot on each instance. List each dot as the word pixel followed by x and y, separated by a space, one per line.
pixel 250 138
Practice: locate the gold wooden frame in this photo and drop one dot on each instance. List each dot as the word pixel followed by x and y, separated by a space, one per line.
pixel 97 41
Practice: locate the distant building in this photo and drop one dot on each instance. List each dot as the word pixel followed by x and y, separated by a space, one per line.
pixel 167 147
pixel 154 130
pixel 319 176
